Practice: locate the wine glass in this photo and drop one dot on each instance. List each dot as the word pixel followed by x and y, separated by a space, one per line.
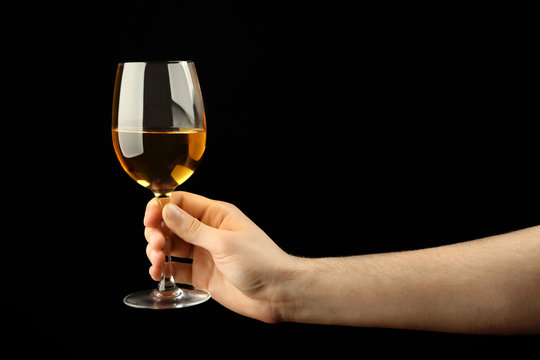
pixel 159 136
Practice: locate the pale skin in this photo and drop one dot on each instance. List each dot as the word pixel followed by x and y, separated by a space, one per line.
pixel 489 285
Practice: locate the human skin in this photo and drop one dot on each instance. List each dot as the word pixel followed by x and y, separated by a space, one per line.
pixel 489 285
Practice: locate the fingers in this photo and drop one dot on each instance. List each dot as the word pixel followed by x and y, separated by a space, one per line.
pixel 216 214
pixel 190 229
pixel 194 204
pixel 181 272
pixel 186 230
pixel 156 243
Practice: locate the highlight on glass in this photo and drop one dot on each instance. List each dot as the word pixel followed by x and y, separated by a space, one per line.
pixel 159 136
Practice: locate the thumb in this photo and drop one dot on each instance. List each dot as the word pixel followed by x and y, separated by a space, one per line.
pixel 187 227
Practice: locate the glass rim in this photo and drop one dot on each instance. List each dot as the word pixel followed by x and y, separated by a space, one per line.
pixel 156 62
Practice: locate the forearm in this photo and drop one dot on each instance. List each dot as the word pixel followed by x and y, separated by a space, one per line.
pixel 490 285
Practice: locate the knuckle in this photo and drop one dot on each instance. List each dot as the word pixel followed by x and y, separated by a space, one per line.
pixel 147 233
pixel 228 207
pixel 224 208
pixel 193 226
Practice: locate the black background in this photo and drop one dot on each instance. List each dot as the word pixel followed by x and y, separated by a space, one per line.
pixel 339 129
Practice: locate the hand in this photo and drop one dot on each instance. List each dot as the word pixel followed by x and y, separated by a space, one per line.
pixel 480 286
pixel 232 257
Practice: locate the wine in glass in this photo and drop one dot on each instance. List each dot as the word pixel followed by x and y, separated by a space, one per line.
pixel 159 136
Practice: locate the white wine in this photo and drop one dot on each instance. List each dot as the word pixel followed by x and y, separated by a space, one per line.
pixel 159 160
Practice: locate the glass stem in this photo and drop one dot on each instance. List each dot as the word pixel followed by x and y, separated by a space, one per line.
pixel 167 282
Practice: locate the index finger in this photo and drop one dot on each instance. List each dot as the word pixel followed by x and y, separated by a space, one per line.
pixel 152 215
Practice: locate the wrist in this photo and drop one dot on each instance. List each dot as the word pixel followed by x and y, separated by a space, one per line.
pixel 319 291
pixel 291 286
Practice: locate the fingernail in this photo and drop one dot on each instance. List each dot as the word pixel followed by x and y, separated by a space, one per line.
pixel 173 212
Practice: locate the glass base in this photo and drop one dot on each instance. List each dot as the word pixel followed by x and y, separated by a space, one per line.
pixel 175 299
